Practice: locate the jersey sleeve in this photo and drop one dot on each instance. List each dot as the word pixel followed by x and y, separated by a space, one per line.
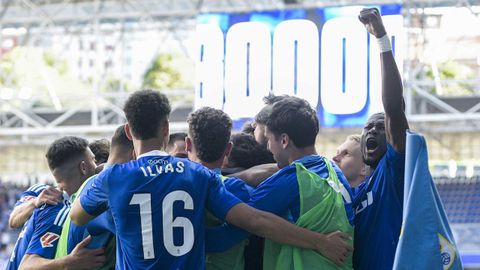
pixel 94 196
pixel 239 188
pixel 47 230
pixel 31 193
pixel 219 199
pixel 276 195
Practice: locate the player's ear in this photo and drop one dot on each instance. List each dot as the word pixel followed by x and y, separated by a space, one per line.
pixel 83 167
pixel 228 149
pixel 128 131
pixel 188 144
pixel 284 140
pixel 166 131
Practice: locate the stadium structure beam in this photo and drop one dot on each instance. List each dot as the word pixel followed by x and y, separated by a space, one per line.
pixel 125 16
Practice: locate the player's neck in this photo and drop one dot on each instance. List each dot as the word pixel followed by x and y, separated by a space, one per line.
pixel 298 153
pixel 145 146
pixel 213 165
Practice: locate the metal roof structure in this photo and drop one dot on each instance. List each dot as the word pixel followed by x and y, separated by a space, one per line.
pixel 101 112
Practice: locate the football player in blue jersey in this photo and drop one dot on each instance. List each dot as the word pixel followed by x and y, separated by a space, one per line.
pixel 378 201
pixel 101 228
pixel 208 143
pixel 32 198
pixel 71 162
pixel 158 201
pixel 309 190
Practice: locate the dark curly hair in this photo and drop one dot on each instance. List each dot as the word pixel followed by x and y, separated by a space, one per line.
pixel 101 150
pixel 146 111
pixel 65 149
pixel 247 152
pixel 210 131
pixel 295 117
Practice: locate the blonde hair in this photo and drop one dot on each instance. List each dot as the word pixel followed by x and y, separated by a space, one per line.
pixel 354 137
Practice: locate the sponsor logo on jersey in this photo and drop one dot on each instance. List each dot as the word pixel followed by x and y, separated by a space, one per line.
pixel 48 239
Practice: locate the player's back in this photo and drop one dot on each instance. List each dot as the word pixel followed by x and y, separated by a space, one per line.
pixel 157 203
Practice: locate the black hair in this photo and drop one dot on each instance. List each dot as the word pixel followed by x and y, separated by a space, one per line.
pixel 120 139
pixel 210 131
pixel 262 115
pixel 247 128
pixel 296 118
pixel 146 111
pixel 65 149
pixel 178 136
pixel 247 152
pixel 101 150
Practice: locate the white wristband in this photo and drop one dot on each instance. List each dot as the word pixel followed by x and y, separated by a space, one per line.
pixel 384 44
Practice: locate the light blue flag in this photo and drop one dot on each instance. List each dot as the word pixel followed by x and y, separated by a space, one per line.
pixel 426 241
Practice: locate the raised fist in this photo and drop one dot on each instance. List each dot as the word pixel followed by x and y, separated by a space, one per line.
pixel 372 20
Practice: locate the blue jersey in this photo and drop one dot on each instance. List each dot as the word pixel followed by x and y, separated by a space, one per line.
pixel 31 193
pixel 157 203
pixel 41 233
pixel 236 186
pixel 279 194
pixel 101 228
pixel 378 205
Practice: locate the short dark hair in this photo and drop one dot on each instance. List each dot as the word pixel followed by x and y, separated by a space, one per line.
pixel 210 131
pixel 296 118
pixel 101 150
pixel 272 98
pixel 120 139
pixel 146 110
pixel 177 136
pixel 247 128
pixel 262 115
pixel 247 152
pixel 65 149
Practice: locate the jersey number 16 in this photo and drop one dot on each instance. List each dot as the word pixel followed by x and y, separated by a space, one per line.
pixel 144 200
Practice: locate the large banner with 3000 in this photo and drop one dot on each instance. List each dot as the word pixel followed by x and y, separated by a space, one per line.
pixel 323 55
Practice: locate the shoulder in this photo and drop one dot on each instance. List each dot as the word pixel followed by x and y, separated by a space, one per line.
pixel 37 188
pixel 55 214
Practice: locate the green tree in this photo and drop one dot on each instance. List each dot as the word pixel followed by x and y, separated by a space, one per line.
pixel 162 74
pixel 452 70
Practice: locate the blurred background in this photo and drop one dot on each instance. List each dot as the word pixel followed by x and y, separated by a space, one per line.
pixel 66 67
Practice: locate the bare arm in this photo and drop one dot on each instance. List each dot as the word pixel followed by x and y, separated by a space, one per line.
pixel 392 90
pixel 270 226
pixel 257 174
pixel 80 258
pixel 22 212
pixel 78 215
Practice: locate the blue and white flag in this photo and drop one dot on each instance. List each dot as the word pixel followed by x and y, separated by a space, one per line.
pixel 426 241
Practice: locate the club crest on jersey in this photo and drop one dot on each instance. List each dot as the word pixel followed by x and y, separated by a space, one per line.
pixel 48 239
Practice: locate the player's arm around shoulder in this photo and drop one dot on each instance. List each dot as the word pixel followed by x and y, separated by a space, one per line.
pixel 332 246
pixel 31 199
pixel 79 258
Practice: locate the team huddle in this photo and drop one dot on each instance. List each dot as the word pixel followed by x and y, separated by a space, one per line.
pixel 207 199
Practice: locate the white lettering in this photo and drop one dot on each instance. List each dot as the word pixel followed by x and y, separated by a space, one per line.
pixel 247 68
